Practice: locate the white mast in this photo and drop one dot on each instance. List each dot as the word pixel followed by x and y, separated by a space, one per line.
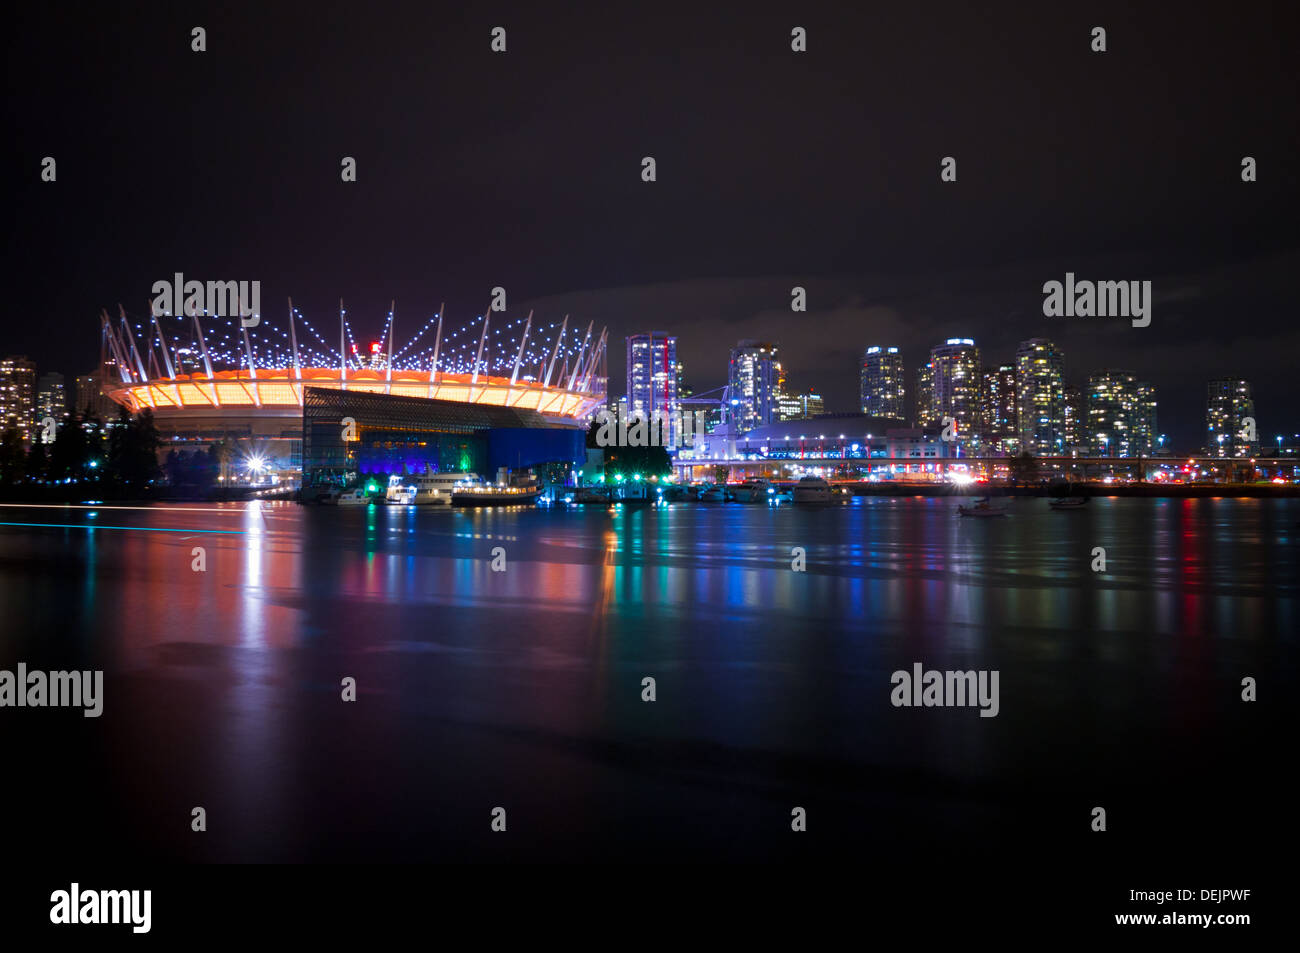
pixel 577 361
pixel 487 315
pixel 392 319
pixel 555 352
pixel 293 343
pixel 343 351
pixel 131 340
pixel 207 362
pixel 523 342
pixel 437 340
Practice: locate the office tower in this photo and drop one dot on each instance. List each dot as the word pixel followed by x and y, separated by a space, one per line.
pixel 1228 404
pixel 955 387
pixel 51 397
pixel 752 385
pixel 17 395
pixel 652 379
pixel 788 406
pixel 800 406
pixel 882 387
pixel 1040 397
pixel 999 432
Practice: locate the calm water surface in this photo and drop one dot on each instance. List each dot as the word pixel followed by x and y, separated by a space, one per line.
pixel 522 688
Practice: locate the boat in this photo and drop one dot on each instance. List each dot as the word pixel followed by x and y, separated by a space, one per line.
pixel 357 497
pixel 714 494
pixel 1068 503
pixel 752 491
pixel 493 494
pixel 676 494
pixel 591 494
pixel 813 489
pixel 782 494
pixel 981 508
pixel 427 489
pixel 635 494
pixel 326 493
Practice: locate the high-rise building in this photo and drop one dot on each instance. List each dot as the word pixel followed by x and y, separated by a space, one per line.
pixel 1228 404
pixel 883 391
pixel 788 406
pixel 1121 415
pixel 17 395
pixel 1040 397
pixel 652 379
pixel 925 395
pixel 999 432
pixel 1146 437
pixel 1075 422
pixel 955 387
pixel 51 397
pixel 801 406
pixel 752 385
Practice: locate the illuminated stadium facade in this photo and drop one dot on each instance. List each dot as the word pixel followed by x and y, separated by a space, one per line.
pixel 209 379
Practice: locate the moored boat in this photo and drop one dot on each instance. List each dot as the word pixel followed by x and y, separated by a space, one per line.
pixel 752 491
pixel 487 494
pixel 813 489
pixel 714 494
pixel 1069 503
pixel 426 489
pixel 981 508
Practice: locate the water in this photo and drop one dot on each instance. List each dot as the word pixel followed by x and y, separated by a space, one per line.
pixel 522 688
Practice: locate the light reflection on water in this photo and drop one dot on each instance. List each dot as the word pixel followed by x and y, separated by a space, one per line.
pixel 228 680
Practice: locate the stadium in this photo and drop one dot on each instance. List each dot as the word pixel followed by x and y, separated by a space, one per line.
pixel 209 379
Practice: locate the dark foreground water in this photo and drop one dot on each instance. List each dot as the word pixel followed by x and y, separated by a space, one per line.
pixel 523 689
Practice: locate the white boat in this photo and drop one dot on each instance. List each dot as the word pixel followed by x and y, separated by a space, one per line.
pixel 426 489
pixel 474 493
pixel 357 497
pixel 812 489
pixel 752 491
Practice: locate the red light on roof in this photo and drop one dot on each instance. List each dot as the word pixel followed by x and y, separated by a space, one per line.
pixel 374 347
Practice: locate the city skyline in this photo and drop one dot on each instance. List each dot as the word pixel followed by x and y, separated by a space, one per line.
pixel 1110 402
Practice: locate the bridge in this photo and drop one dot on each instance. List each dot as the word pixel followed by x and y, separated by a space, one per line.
pixel 754 464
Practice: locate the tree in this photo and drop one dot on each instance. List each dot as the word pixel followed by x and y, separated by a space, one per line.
pixel 71 450
pixel 647 461
pixel 12 458
pixel 219 456
pixel 38 462
pixel 1023 469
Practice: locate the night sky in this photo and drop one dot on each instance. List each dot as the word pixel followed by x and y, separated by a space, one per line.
pixel 775 168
